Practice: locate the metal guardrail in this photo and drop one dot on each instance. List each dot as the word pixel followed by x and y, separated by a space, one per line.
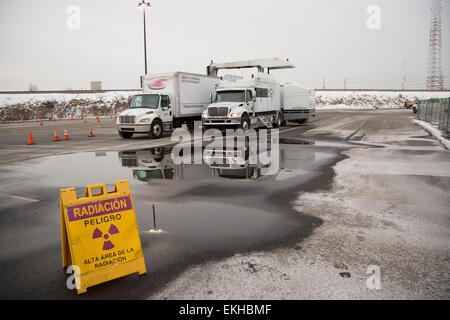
pixel 436 112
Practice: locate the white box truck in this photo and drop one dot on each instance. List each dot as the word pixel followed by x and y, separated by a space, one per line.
pixel 298 103
pixel 257 102
pixel 168 101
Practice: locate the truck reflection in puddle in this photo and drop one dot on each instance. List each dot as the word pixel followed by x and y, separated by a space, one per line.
pixel 156 163
pixel 151 163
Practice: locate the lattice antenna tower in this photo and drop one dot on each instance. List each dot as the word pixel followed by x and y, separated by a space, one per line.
pixel 435 79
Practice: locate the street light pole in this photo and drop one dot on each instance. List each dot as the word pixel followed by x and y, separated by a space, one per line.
pixel 144 5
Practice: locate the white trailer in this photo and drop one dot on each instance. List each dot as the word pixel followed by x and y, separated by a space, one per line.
pixel 168 100
pixel 298 103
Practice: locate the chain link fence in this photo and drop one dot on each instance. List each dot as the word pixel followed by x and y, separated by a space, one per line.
pixel 436 112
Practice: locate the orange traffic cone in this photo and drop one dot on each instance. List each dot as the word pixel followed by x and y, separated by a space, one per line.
pixel 56 137
pixel 30 138
pixel 90 133
pixel 41 123
pixel 18 121
pixel 66 134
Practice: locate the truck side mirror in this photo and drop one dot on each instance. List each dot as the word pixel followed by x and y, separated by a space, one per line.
pixel 210 97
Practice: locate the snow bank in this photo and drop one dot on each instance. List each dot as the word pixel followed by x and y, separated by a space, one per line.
pixel 66 105
pixel 371 99
pixel 434 132
pixel 62 105
pixel 37 98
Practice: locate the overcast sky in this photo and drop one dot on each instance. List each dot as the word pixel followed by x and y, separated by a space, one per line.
pixel 323 38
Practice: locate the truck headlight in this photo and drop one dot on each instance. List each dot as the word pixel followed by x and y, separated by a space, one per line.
pixel 204 115
pixel 146 120
pixel 236 114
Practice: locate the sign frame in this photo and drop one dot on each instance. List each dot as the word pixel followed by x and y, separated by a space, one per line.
pixel 72 239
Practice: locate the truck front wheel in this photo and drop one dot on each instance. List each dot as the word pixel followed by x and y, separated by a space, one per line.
pixel 125 135
pixel 245 123
pixel 302 121
pixel 278 121
pixel 156 129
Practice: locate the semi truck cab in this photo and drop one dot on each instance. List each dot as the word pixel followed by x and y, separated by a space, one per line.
pixel 245 104
pixel 231 107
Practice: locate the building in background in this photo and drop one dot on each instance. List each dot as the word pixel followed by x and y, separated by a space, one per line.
pixel 96 85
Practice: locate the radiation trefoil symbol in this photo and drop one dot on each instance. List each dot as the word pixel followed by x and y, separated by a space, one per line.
pixel 107 245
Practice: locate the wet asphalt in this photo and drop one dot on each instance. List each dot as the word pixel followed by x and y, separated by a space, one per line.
pixel 202 214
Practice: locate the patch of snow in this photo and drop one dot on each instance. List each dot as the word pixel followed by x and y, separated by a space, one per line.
pixel 434 132
pixel 38 98
pixel 372 99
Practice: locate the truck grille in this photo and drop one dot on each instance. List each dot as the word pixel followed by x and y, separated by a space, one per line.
pixel 129 163
pixel 127 119
pixel 218 111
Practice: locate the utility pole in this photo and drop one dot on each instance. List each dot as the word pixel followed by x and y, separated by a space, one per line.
pixel 404 75
pixel 144 5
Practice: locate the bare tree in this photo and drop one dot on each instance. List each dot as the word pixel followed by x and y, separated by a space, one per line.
pixel 32 87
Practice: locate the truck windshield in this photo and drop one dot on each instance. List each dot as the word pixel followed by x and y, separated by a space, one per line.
pixel 145 101
pixel 230 96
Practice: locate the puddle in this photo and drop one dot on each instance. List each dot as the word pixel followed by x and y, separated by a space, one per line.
pixel 203 211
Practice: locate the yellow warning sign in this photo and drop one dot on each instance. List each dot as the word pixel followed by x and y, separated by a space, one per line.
pixel 99 234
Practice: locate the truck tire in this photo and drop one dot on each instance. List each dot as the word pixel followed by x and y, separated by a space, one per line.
pixel 302 121
pixel 176 123
pixel 125 135
pixel 245 123
pixel 156 129
pixel 190 124
pixel 278 121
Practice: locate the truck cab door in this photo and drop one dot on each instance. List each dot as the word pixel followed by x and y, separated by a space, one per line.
pixel 250 101
pixel 166 112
